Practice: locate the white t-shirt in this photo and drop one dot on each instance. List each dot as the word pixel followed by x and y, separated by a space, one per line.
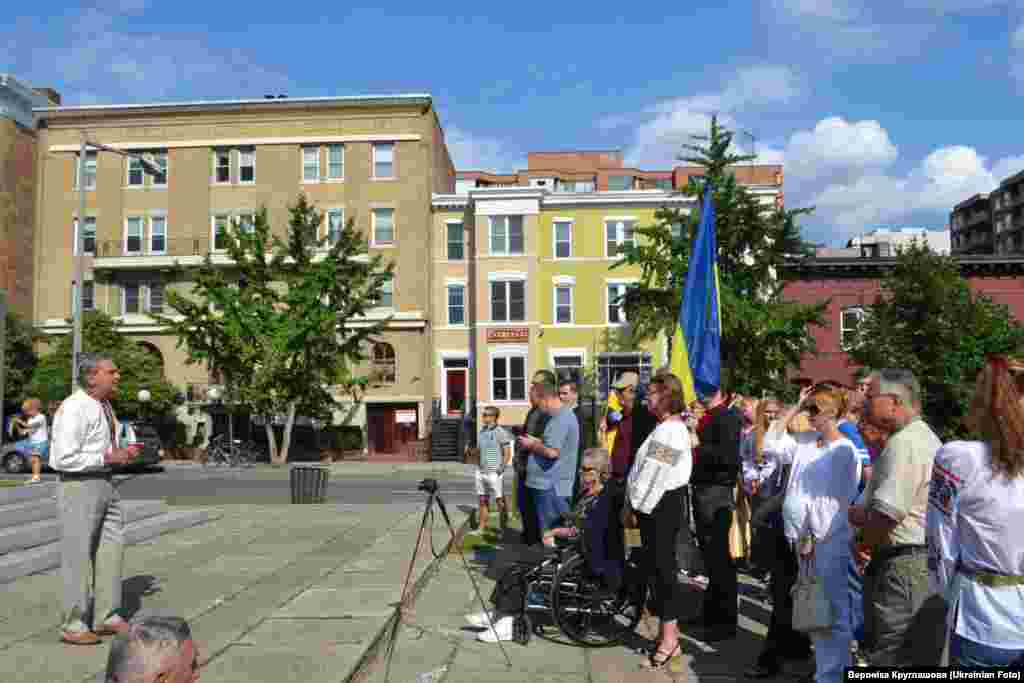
pixel 36 427
pixel 663 463
pixel 821 485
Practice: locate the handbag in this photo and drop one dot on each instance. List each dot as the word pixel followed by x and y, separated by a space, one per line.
pixel 812 611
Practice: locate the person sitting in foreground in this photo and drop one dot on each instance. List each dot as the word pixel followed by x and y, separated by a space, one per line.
pixel 595 521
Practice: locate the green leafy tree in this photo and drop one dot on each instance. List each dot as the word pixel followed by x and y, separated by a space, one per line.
pixel 928 320
pixel 278 327
pixel 762 334
pixel 20 358
pixel 140 369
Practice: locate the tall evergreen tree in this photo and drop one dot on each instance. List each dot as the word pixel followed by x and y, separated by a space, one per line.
pixel 762 334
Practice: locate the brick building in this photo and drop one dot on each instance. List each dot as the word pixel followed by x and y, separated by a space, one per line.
pixel 852 284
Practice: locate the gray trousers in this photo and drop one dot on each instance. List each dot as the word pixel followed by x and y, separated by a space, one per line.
pixel 904 621
pixel 91 551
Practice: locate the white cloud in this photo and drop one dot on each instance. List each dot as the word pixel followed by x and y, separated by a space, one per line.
pixel 836 148
pixel 830 10
pixel 472 152
pixel 1017 40
pixel 661 129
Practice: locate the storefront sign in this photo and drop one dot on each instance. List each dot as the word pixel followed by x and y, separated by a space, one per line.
pixel 405 416
pixel 508 334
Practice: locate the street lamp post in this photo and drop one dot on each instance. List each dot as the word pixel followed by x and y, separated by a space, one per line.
pixel 77 286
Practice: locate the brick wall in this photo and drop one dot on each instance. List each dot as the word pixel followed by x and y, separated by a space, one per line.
pixel 17 214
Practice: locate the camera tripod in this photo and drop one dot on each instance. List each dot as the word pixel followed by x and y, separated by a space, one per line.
pixel 430 487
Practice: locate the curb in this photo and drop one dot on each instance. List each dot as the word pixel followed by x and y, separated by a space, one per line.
pixel 353 468
pixel 367 663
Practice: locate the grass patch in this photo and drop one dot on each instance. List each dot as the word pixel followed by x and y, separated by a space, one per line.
pixel 9 482
pixel 485 542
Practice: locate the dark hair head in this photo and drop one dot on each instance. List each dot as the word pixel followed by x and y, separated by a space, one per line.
pixel 670 384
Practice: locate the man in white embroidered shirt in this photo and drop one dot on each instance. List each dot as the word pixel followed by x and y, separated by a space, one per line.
pixel 85 447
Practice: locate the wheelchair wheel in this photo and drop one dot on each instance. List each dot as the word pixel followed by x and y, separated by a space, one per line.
pixel 586 613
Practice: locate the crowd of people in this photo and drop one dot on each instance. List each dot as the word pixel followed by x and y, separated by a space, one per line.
pixel 911 540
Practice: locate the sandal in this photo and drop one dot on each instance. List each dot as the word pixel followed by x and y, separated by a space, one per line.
pixel 655 663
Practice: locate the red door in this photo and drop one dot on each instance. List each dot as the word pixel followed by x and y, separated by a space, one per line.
pixel 456 390
pixel 381 427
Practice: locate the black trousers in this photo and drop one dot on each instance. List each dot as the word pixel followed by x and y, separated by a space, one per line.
pixel 781 640
pixel 658 532
pixel 713 508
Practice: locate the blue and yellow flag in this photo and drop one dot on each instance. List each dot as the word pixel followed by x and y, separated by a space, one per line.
pixel 696 356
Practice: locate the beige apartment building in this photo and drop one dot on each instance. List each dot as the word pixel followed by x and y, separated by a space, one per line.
pixel 377 160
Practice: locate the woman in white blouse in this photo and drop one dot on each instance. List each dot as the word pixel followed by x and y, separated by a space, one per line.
pixel 976 507
pixel 822 482
pixel 654 492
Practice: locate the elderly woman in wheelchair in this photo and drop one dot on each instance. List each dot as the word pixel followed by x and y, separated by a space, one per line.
pixel 581 584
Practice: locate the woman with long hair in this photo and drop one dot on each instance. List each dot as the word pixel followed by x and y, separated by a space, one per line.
pixel 976 504
pixel 822 484
pixel 654 492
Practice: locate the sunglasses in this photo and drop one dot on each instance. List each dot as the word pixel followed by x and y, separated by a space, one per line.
pixel 585 470
pixel 813 411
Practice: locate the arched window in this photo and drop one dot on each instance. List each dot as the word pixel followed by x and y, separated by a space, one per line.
pixel 383 363
pixel 152 350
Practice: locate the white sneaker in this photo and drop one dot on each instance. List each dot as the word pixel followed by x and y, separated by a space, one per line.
pixel 480 619
pixel 503 630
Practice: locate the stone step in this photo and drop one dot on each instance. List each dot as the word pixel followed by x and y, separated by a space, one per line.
pixel 46 529
pixel 14 565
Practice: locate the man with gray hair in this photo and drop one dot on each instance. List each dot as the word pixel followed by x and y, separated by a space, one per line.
pixel 904 621
pixel 84 449
pixel 154 650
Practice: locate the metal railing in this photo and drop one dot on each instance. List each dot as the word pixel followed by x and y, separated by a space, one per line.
pixel 182 246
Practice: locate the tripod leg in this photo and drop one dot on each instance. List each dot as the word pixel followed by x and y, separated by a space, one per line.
pixel 393 635
pixel 469 573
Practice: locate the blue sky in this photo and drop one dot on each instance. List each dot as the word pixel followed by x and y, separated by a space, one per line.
pixel 884 113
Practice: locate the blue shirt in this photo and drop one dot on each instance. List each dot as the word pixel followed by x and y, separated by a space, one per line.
pixel 563 434
pixel 850 431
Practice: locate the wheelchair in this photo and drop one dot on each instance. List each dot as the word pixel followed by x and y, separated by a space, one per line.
pixel 561 589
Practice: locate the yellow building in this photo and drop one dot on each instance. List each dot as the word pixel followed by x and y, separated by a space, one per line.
pixel 529 285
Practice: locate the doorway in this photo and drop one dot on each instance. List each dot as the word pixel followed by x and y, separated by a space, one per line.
pixel 391 427
pixel 456 382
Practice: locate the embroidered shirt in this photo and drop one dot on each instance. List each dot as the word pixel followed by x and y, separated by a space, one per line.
pixel 663 463
pixel 974 520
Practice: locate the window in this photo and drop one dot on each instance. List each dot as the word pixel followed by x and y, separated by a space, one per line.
pixel 383 363
pixel 247 165
pixel 508 301
pixel 620 183
pixel 663 184
pixel 310 164
pixel 616 311
pixel 130 304
pixel 574 186
pixel 456 304
pixel 133 235
pixel 220 232
pixel 222 166
pixel 563 240
pixel 456 242
pixel 90 170
pixel 383 227
pixel 849 322
pixel 387 293
pixel 88 296
pixel 157 234
pixel 568 366
pixel 506 235
pixel 611 365
pixel 384 160
pixel 135 175
pixel 156 297
pixel 618 233
pixel 160 179
pixel 563 305
pixel 335 223
pixel 88 236
pixel 336 162
pixel 677 231
pixel 247 222
pixel 508 378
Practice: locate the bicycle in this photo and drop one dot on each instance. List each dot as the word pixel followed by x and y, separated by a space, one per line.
pixel 245 453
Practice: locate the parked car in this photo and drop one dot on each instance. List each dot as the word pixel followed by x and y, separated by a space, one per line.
pixel 15 462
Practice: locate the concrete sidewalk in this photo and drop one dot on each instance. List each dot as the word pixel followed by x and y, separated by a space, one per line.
pixel 273 593
pixel 435 644
pixel 353 468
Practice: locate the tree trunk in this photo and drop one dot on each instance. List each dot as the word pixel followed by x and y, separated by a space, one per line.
pixel 286 438
pixel 272 441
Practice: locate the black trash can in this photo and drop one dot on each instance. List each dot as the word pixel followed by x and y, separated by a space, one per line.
pixel 309 483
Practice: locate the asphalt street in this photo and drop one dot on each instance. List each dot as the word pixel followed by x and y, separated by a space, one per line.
pixel 197 486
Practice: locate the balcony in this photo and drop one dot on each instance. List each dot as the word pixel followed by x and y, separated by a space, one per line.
pixel 146 254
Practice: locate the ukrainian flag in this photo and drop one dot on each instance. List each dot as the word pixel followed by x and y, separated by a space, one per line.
pixel 696 357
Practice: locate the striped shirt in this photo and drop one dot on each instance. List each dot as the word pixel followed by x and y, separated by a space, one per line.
pixel 492 442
